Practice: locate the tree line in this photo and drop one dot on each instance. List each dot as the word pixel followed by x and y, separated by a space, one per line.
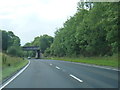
pixel 43 41
pixel 11 43
pixel 92 31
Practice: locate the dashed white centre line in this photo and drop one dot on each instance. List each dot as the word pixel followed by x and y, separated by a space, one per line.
pixel 76 78
pixel 57 67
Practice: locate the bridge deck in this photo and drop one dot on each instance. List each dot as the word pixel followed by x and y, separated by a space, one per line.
pixel 31 48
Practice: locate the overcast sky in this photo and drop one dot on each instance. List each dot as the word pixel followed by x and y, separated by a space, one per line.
pixel 31 18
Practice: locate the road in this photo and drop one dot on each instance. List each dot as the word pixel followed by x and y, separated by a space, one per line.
pixel 63 74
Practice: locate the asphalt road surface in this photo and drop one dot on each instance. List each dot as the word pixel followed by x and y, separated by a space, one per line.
pixel 63 74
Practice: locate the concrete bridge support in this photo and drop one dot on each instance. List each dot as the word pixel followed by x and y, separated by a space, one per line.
pixel 38 54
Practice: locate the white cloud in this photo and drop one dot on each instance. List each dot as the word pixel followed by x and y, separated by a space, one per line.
pixel 35 17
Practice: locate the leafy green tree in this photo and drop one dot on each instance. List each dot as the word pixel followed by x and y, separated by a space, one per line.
pixel 15 51
pixel 5 39
pixel 14 40
pixel 36 41
pixel 11 43
pixel 45 42
pixel 0 41
pixel 47 52
pixel 92 31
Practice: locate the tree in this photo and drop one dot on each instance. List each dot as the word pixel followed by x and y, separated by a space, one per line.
pixel 45 42
pixel 5 39
pixel 11 43
pixel 15 51
pixel 14 40
pixel 36 41
pixel 92 31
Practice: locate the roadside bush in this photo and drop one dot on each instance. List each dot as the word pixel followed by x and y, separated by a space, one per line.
pixel 15 51
pixel 47 52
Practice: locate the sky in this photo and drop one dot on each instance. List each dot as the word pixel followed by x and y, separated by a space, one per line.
pixel 31 18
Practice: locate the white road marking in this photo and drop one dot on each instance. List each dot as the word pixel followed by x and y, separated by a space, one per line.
pixel 57 67
pixel 15 76
pixel 76 78
pixel 50 64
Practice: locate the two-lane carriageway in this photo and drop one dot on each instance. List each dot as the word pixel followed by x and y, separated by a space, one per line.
pixel 62 74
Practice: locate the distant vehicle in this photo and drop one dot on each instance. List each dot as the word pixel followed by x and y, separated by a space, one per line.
pixel 29 57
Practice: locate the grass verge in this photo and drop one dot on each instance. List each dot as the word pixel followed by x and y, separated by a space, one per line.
pixel 11 65
pixel 102 61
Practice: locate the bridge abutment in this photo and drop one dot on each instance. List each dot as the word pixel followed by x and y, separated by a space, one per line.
pixel 38 54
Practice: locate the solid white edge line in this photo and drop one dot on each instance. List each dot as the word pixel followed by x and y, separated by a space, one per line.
pixel 95 66
pixel 57 67
pixel 76 78
pixel 100 67
pixel 15 76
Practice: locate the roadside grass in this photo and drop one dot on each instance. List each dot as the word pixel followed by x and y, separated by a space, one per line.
pixel 10 65
pixel 102 61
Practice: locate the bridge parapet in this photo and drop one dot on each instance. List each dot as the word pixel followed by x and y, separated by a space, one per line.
pixel 31 48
